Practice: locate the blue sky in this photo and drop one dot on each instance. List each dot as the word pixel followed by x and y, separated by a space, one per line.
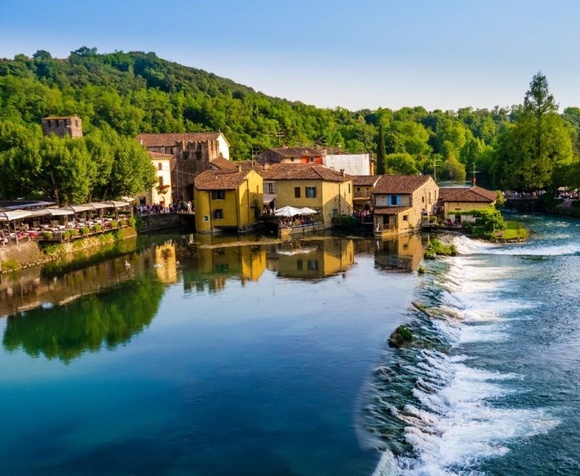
pixel 442 54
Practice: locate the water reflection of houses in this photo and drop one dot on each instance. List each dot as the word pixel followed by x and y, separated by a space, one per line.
pixel 56 285
pixel 403 253
pixel 215 264
pixel 312 259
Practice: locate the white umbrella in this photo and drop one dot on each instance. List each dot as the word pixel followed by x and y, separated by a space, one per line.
pixel 287 212
pixel 307 211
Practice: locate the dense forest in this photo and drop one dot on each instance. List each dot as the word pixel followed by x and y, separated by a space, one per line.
pixel 118 95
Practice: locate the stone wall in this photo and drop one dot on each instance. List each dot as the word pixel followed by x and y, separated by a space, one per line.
pixel 29 253
pixel 161 221
pixel 23 255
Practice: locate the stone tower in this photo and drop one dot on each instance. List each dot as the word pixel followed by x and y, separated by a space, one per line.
pixel 63 126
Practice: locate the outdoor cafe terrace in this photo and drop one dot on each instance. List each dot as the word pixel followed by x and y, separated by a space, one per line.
pixel 39 222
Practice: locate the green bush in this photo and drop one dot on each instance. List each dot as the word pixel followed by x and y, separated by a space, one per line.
pixel 345 220
pixel 438 248
pixel 10 265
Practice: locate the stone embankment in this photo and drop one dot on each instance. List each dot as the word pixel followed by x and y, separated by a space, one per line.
pixel 30 253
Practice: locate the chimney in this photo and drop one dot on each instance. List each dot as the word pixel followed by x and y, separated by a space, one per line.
pixel 239 169
pixel 342 172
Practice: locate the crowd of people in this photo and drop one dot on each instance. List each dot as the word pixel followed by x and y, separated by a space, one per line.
pixel 156 208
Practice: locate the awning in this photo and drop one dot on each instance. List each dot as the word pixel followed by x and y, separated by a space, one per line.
pixel 14 215
pixel 268 197
pixel 100 205
pixel 41 213
pixel 80 208
pixel 117 204
pixel 59 212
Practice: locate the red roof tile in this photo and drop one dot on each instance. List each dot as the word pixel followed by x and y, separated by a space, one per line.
pixel 168 140
pixel 222 163
pixel 303 172
pixel 159 155
pixel 400 183
pixel 220 179
pixel 365 180
pixel 473 194
pixel 296 152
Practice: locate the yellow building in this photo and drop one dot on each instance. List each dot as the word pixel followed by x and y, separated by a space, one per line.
pixel 401 253
pixel 313 186
pixel 227 200
pixel 401 202
pixel 313 259
pixel 247 263
pixel 161 193
pixel 456 201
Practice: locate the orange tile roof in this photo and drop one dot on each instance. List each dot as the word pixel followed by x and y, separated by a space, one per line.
pixel 400 183
pixel 472 194
pixel 303 172
pixel 159 155
pixel 168 140
pixel 222 163
pixel 220 179
pixel 297 152
pixel 365 180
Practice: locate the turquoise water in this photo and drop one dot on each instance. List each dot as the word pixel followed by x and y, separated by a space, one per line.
pixel 492 386
pixel 182 360
pixel 207 359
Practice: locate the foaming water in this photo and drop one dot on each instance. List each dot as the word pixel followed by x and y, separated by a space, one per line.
pixel 455 403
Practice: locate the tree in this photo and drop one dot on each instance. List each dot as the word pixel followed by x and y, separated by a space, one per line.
pixel 381 154
pixel 402 163
pixel 539 144
pixel 454 170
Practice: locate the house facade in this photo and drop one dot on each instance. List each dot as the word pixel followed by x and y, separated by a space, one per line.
pixel 227 200
pixel 454 202
pixel 162 192
pixel 352 164
pixel 312 186
pixel 401 201
pixel 193 152
pixel 291 155
pixel 363 188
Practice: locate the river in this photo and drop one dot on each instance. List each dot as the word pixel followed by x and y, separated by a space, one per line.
pixel 197 357
pixel 492 386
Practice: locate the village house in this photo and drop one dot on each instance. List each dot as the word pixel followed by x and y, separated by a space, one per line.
pixel 193 152
pixel 401 202
pixel 161 193
pixel 364 186
pixel 309 185
pixel 454 202
pixel 227 200
pixel 291 155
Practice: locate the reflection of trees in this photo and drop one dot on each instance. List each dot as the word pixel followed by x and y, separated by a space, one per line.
pixel 107 319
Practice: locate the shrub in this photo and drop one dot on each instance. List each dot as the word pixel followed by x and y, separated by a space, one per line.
pixel 10 265
pixel 438 248
pixel 345 220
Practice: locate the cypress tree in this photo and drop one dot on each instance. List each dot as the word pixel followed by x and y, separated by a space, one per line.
pixel 381 154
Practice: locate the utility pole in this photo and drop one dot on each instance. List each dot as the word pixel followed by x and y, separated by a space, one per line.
pixel 435 165
pixel 473 172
